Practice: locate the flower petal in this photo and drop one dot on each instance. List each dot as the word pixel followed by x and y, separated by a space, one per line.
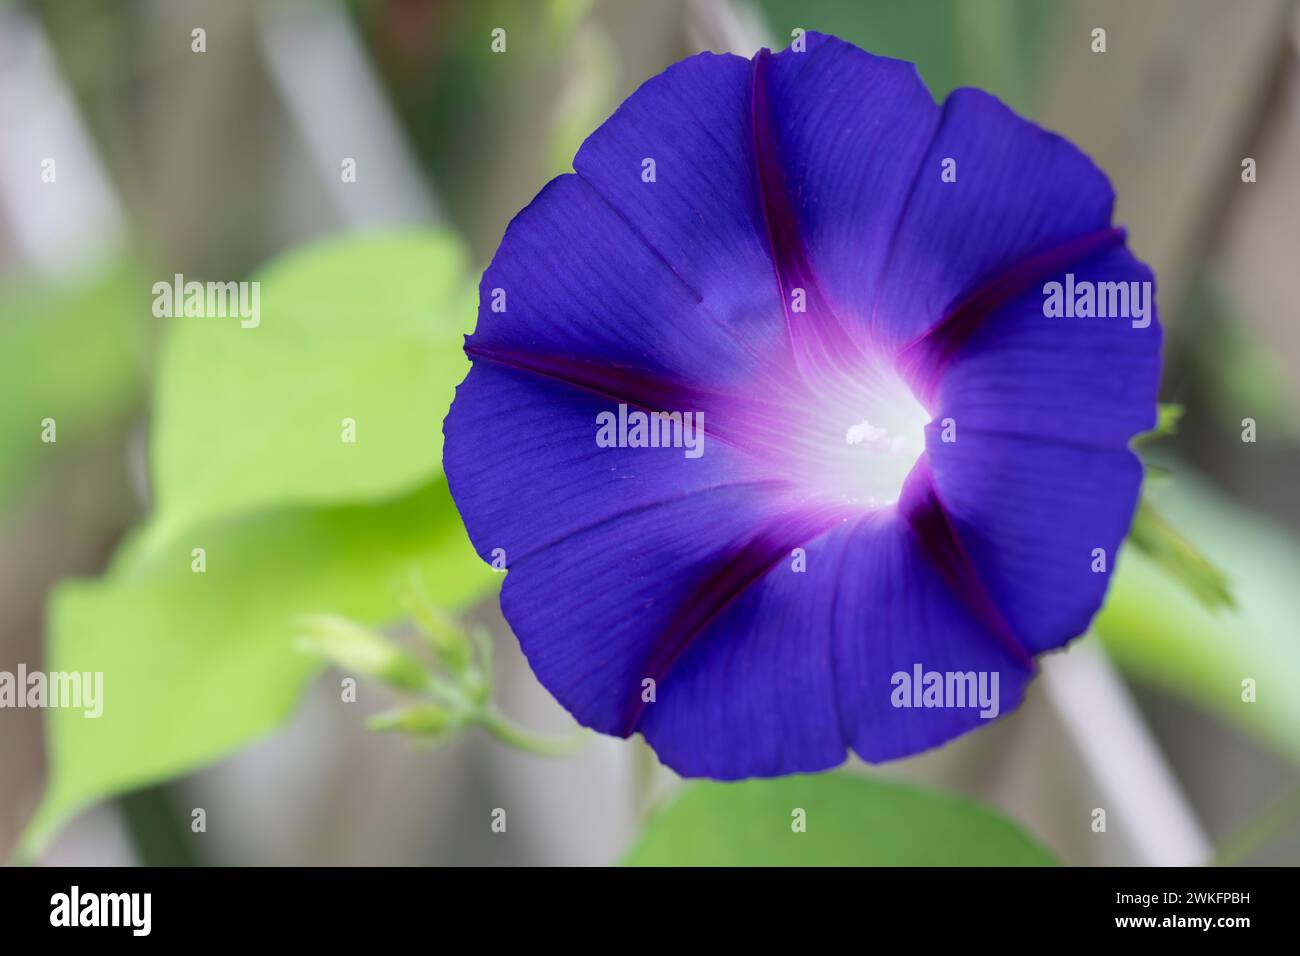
pixel 615 605
pixel 1082 381
pixel 1040 473
pixel 526 472
pixel 843 132
pixel 1020 192
pixel 907 616
pixel 602 544
pixel 573 280
pixel 748 700
pixel 702 214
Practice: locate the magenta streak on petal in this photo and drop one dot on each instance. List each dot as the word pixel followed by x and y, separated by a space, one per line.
pixel 729 580
pixel 923 359
pixel 818 340
pixel 925 514
pixel 617 383
pixel 753 424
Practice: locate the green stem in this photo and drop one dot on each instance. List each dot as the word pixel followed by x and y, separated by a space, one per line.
pixel 451 694
pixel 1256 832
pixel 508 732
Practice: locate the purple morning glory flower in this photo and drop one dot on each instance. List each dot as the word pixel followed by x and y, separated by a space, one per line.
pixel 899 351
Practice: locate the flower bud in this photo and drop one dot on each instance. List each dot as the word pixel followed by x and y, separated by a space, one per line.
pixel 356 649
pixel 421 720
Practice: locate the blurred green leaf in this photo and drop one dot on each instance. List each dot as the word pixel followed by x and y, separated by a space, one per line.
pixel 197 664
pixel 364 328
pixel 1162 634
pixel 76 354
pixel 249 464
pixel 850 821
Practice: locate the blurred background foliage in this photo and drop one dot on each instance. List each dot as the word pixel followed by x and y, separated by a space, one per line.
pixel 181 434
